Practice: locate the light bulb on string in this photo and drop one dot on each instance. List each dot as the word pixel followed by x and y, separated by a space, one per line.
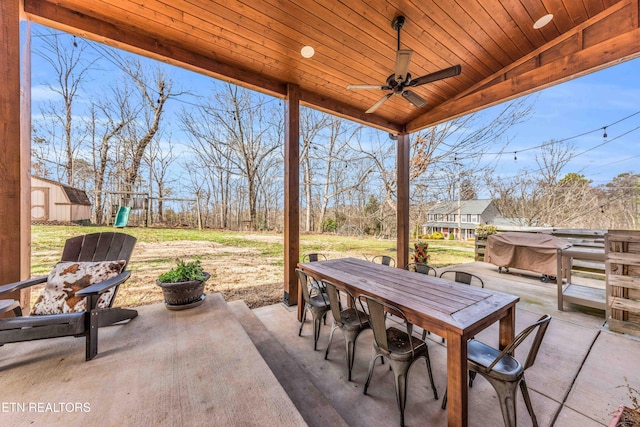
pixel 75 44
pixel 604 135
pixel 515 155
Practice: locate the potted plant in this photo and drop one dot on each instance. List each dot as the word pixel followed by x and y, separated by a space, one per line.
pixel 484 230
pixel 183 285
pixel 626 416
pixel 420 252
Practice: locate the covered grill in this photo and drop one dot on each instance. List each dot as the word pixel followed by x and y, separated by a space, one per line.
pixel 528 251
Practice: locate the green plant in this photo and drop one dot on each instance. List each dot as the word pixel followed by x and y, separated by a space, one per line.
pixel 183 272
pixel 330 225
pixel 484 230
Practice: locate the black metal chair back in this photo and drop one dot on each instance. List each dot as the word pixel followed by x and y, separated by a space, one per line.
pixel 422 268
pixel 463 277
pixel 313 257
pixel 384 260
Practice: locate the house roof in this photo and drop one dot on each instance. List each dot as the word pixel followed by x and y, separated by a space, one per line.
pixel 258 45
pixel 473 207
pixel 76 196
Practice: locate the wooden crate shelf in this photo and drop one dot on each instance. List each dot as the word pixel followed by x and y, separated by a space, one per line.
pixel 622 264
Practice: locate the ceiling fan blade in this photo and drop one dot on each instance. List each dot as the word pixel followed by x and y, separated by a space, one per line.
pixel 403 59
pixel 438 75
pixel 375 106
pixel 366 87
pixel 415 99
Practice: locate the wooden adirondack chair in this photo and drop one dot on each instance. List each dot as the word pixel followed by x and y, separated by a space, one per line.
pixel 95 247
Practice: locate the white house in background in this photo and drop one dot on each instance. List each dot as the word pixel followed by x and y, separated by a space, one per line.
pixel 448 217
pixel 53 201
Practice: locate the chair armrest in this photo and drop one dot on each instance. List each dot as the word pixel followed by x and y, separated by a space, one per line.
pixel 102 287
pixel 11 287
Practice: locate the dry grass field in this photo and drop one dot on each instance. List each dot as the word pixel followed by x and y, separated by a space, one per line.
pixel 247 266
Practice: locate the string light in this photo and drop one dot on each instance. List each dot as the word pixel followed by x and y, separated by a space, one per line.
pixel 515 155
pixel 75 44
pixel 604 135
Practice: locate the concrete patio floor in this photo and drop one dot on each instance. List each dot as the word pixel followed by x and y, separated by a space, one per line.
pixel 207 367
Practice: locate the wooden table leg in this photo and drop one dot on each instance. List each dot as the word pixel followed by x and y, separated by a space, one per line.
pixel 508 327
pixel 457 413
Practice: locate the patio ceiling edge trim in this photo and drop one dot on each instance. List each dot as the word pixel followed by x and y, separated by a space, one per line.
pixel 46 13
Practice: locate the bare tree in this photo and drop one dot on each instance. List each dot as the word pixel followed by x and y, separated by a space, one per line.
pixel 215 168
pixel 154 92
pixel 159 158
pixel 619 200
pixel 107 120
pixel 540 197
pixel 70 64
pixel 246 137
pixel 448 152
pixel 312 123
pixel 344 170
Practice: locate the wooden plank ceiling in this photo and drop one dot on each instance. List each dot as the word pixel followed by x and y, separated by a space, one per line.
pixel 257 43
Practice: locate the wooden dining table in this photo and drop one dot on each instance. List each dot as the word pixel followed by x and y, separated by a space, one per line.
pixel 451 310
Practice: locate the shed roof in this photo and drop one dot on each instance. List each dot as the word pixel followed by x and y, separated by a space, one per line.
pixel 75 195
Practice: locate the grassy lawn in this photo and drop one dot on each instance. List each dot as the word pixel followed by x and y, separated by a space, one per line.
pixel 243 265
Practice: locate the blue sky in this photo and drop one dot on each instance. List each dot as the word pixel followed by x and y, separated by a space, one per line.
pixel 581 105
pixel 573 108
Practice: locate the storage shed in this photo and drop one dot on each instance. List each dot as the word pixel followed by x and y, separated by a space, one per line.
pixel 53 201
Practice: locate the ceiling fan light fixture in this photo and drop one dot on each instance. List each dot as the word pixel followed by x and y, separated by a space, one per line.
pixel 307 51
pixel 542 21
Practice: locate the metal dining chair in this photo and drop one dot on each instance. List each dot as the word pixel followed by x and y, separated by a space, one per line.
pixel 399 347
pixel 503 371
pixel 462 277
pixel 313 257
pixel 350 321
pixel 384 260
pixel 421 267
pixel 314 301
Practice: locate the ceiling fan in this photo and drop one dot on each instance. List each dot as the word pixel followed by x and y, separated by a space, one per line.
pixel 399 82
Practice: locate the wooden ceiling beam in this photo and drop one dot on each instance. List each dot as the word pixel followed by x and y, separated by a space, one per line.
pixel 609 38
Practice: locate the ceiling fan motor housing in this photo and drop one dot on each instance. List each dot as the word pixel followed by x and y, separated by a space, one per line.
pixel 398 22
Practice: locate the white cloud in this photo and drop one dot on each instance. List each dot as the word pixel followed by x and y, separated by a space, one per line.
pixel 42 93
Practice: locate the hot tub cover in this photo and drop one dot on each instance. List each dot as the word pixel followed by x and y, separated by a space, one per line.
pixel 528 251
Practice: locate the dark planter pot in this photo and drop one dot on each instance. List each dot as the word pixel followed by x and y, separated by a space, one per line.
pixel 183 295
